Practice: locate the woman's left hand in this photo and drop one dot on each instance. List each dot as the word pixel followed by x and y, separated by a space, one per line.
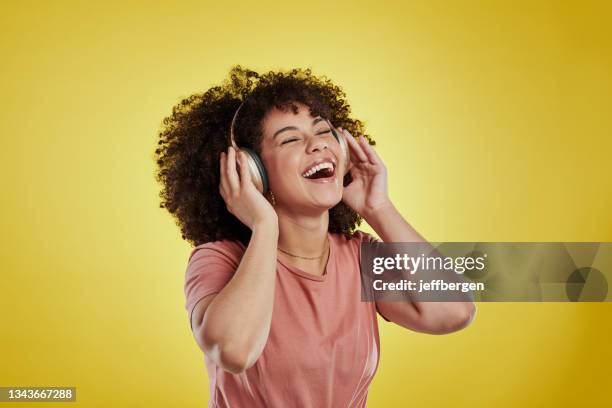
pixel 368 191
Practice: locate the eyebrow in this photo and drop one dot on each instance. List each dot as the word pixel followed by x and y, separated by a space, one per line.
pixel 314 122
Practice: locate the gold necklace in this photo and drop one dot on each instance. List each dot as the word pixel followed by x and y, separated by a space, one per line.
pixel 305 257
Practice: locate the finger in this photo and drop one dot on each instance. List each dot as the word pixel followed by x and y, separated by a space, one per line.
pixel 223 185
pixel 355 147
pixel 350 165
pixel 245 178
pixel 369 151
pixel 232 174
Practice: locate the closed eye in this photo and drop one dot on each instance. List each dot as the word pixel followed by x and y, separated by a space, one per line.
pixel 288 141
pixel 294 139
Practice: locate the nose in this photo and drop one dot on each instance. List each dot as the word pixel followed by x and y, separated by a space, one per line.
pixel 317 144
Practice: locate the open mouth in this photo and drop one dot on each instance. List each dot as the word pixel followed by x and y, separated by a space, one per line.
pixel 321 172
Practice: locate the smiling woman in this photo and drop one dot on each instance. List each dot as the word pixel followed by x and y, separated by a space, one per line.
pixel 272 287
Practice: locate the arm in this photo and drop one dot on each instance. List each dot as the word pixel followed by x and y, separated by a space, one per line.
pixel 427 317
pixel 368 195
pixel 236 323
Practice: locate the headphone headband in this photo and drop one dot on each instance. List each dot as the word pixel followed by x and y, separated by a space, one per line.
pixel 232 140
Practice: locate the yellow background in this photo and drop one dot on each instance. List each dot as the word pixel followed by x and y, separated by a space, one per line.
pixel 493 119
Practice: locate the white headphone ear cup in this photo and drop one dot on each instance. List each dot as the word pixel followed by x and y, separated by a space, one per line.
pixel 346 155
pixel 344 149
pixel 256 170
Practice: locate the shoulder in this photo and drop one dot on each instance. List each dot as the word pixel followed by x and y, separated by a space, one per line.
pixel 366 237
pixel 355 240
pixel 230 251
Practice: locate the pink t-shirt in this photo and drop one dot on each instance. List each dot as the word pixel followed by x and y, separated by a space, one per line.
pixel 323 348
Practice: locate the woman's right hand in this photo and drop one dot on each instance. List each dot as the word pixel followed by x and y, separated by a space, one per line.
pixel 241 196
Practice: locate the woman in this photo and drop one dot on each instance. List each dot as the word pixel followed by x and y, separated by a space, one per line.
pixel 273 285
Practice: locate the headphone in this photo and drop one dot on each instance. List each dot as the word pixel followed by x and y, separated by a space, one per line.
pixel 255 166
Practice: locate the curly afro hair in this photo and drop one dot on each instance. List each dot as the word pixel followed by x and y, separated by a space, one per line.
pixel 193 136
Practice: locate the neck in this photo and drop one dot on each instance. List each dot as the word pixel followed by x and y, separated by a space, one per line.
pixel 303 235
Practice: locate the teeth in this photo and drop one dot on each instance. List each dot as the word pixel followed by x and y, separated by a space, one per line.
pixel 318 167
